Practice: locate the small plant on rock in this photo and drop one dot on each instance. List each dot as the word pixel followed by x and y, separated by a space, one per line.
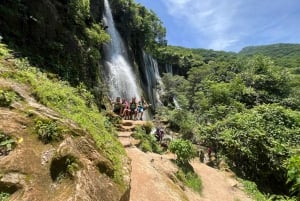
pixel 7 97
pixel 48 130
pixel 4 196
pixel 6 144
pixel 64 167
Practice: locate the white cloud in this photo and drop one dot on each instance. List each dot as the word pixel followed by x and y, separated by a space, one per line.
pixel 211 18
pixel 232 24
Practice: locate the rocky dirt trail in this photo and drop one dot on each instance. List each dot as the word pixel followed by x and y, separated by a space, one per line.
pixel 153 176
pixel 35 171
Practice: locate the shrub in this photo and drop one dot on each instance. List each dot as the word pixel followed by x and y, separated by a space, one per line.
pixel 147 141
pixel 183 149
pixel 4 196
pixel 257 142
pixel 47 130
pixel 293 174
pixel 64 167
pixel 7 96
pixel 148 126
pixel 6 143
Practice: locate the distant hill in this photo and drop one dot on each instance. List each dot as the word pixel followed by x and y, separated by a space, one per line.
pixel 286 55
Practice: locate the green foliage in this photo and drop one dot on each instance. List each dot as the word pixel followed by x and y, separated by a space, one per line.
pixel 48 130
pixel 63 38
pixel 185 121
pixel 96 35
pixel 269 82
pixel 80 10
pixel 7 96
pixel 73 165
pixel 251 188
pixel 257 141
pixel 64 167
pixel 186 58
pixel 147 141
pixel 190 179
pixel 293 174
pixel 148 28
pixel 183 149
pixel 3 50
pixel 286 55
pixel 225 107
pixel 148 126
pixel 83 92
pixel 174 86
pixel 4 196
pixel 6 143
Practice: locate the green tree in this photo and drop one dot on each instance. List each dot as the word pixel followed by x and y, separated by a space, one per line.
pixel 183 149
pixel 257 142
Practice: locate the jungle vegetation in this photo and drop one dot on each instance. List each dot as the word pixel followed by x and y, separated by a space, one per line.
pixel 244 105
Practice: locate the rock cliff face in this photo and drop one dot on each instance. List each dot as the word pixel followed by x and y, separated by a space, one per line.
pixel 72 168
pixel 53 35
pixel 58 36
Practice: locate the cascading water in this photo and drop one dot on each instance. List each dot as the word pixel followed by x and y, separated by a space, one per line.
pixel 169 69
pixel 119 75
pixel 154 83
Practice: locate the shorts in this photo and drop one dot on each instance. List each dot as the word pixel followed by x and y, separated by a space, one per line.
pixel 141 109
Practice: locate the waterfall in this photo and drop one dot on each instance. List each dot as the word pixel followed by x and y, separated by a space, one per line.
pixel 154 83
pixel 169 68
pixel 119 74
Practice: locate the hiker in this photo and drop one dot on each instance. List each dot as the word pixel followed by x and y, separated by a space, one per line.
pixel 142 106
pixel 125 109
pixel 201 156
pixel 117 106
pixel 159 134
pixel 133 108
pixel 209 153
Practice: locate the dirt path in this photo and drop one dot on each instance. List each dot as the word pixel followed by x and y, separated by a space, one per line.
pixel 153 176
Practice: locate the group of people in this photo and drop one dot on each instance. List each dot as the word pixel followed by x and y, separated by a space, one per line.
pixel 133 110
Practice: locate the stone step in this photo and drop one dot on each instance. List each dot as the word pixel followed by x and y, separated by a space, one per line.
pixel 126 129
pixel 124 134
pixel 128 141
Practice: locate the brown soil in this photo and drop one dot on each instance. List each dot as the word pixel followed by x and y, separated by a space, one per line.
pixel 153 177
pixel 26 172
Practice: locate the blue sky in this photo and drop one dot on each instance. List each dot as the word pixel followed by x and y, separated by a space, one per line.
pixel 228 25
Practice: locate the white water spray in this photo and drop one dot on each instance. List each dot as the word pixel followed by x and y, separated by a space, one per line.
pixel 119 75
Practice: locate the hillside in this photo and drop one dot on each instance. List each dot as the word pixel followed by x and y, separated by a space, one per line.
pixel 54 144
pixel 62 63
pixel 286 55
